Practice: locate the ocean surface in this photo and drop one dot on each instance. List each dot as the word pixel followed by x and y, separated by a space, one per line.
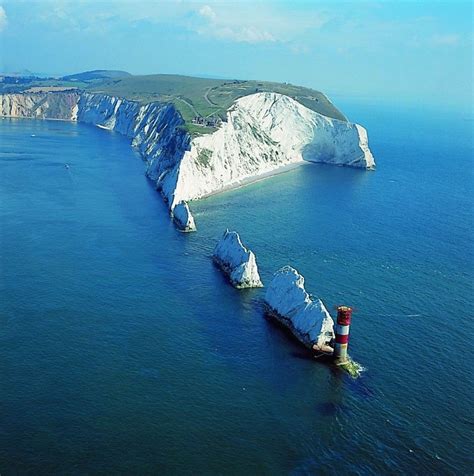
pixel 123 350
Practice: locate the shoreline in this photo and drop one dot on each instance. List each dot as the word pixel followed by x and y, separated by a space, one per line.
pixel 40 118
pixel 244 182
pixel 252 179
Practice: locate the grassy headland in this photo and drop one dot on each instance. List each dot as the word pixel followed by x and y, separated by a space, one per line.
pixel 193 97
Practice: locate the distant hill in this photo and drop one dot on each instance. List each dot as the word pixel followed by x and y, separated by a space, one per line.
pixel 95 75
pixel 25 73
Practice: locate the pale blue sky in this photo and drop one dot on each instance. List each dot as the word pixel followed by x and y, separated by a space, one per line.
pixel 403 50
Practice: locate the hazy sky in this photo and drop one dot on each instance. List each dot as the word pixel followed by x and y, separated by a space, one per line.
pixel 412 51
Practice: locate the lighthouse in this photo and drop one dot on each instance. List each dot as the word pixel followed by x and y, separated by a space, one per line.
pixel 344 314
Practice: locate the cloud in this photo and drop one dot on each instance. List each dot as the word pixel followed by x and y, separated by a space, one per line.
pixel 450 39
pixel 3 18
pixel 225 27
pixel 258 22
pixel 244 35
pixel 207 12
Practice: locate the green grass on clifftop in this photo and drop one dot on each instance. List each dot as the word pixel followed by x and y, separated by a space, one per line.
pixel 206 97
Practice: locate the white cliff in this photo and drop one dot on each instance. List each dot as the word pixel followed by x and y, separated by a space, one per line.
pixel 183 218
pixel 307 318
pixel 264 133
pixel 40 105
pixel 156 129
pixel 237 262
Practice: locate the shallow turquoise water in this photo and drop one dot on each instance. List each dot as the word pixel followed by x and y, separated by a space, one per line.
pixel 123 349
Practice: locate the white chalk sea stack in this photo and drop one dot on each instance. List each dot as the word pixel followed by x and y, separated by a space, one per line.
pixel 183 218
pixel 307 318
pixel 237 262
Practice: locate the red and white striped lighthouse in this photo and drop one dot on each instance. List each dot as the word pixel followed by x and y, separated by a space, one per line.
pixel 344 314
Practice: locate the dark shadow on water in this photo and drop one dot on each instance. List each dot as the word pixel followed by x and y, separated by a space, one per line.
pixel 329 408
pixel 299 351
pixel 360 386
pixel 302 355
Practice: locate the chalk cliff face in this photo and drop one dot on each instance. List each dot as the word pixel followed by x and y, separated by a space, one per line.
pixel 264 133
pixel 237 262
pixel 307 318
pixel 40 105
pixel 156 129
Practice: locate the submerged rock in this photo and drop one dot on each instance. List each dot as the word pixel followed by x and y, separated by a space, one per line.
pixel 307 318
pixel 183 218
pixel 237 261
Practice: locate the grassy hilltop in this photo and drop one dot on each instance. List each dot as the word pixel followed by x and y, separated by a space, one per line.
pixel 206 98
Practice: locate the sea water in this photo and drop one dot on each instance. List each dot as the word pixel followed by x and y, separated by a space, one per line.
pixel 123 349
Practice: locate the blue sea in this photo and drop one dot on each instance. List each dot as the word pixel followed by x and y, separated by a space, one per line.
pixel 123 350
